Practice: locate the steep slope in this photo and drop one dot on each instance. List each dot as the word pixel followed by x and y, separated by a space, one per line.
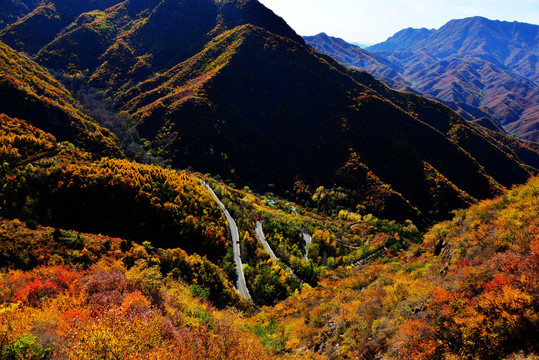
pixel 42 23
pixel 29 92
pixel 229 99
pixel 469 291
pixel 12 10
pixel 220 111
pixel 60 185
pixel 477 66
pixel 491 149
pixel 143 36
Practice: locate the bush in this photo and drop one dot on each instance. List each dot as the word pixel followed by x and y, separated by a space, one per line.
pixel 26 347
pixel 31 224
pixel 199 291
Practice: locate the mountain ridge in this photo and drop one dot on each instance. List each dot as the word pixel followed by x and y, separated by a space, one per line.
pixel 477 66
pixel 103 254
pixel 227 99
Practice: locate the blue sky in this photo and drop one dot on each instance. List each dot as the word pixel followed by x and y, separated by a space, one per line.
pixel 373 21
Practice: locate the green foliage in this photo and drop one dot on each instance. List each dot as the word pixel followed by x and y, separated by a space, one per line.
pixel 269 283
pixel 200 292
pixel 31 224
pixel 26 347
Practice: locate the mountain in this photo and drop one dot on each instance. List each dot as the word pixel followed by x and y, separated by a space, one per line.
pixel 337 112
pixel 28 91
pixel 44 20
pixel 238 88
pixel 477 66
pixel 146 35
pixel 12 10
pixel 402 40
pixel 501 39
pixel 353 55
pixel 383 69
pixel 105 255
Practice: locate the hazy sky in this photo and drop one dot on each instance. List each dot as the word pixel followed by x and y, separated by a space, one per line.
pixel 373 21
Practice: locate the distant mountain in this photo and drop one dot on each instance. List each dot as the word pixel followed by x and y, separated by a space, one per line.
pixel 359 44
pixel 229 88
pixel 402 40
pixel 352 55
pixel 477 66
pixel 12 10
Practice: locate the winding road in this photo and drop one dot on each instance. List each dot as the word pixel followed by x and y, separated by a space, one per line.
pixel 365 259
pixel 307 239
pixel 262 239
pixel 241 285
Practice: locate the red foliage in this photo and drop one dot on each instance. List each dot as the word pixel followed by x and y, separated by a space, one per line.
pixel 34 291
pixel 497 283
pixel 106 289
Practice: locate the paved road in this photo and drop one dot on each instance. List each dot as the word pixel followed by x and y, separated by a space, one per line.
pixel 241 285
pixel 348 246
pixel 307 239
pixel 262 239
pixel 365 259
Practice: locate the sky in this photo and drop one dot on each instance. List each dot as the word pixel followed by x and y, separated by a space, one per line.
pixel 373 21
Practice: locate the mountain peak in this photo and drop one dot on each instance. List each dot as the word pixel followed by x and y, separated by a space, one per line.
pixel 402 40
pixel 479 67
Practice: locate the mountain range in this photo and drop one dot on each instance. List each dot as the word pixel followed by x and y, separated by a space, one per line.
pixel 189 179
pixel 476 66
pixel 238 88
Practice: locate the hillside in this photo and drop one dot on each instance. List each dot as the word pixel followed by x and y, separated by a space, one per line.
pixel 378 288
pixel 340 110
pixel 229 99
pixel 12 10
pixel 84 300
pixel 59 185
pixel 473 62
pixel 469 291
pixel 258 199
pixel 43 20
pixel 30 92
pixel 145 36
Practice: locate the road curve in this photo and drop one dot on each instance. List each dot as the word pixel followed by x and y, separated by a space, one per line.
pixel 241 285
pixel 365 259
pixel 262 239
pixel 307 240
